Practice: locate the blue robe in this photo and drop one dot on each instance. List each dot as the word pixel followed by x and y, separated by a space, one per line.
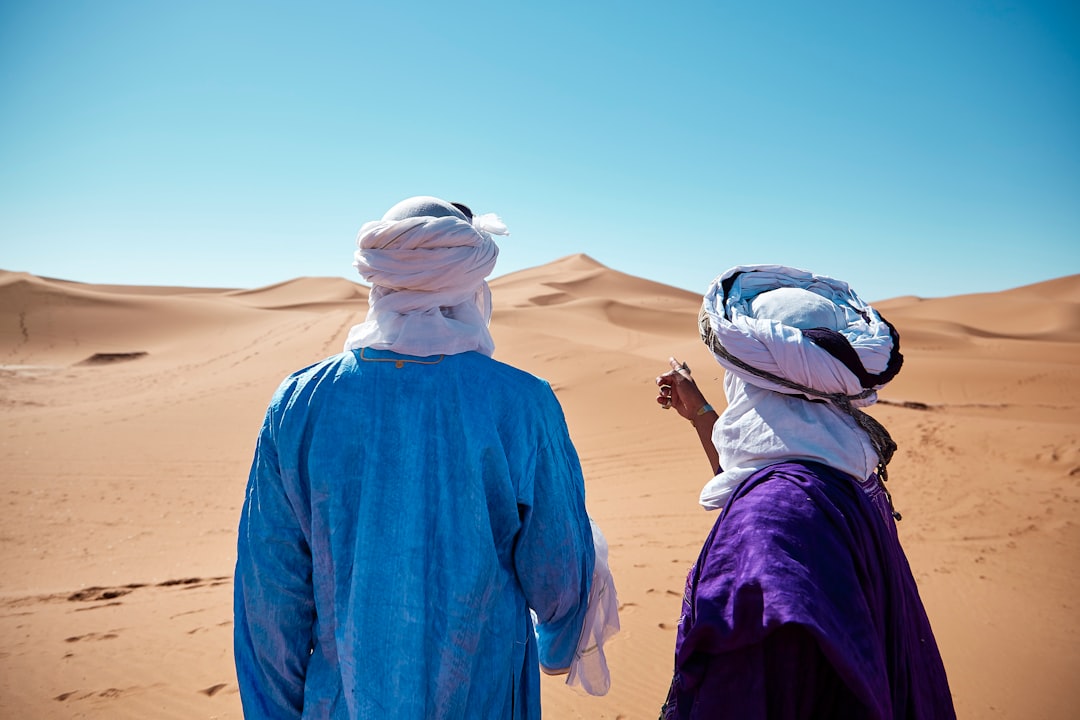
pixel 802 605
pixel 400 521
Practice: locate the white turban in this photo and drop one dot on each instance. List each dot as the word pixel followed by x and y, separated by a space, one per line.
pixel 427 272
pixel 802 353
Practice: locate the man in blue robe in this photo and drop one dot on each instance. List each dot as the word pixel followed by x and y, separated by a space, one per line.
pixel 801 603
pixel 410 500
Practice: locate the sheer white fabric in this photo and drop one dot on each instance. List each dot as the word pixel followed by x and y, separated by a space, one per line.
pixel 589 669
pixel 764 423
pixel 429 294
pixel 761 428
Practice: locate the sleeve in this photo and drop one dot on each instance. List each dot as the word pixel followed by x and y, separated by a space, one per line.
pixel 554 553
pixel 274 609
pixel 785 676
pixel 589 669
pixel 778 613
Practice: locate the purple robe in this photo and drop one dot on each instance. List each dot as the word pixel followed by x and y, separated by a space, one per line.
pixel 802 605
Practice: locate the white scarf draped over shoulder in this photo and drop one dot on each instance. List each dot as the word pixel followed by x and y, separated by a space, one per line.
pixel 429 295
pixel 802 353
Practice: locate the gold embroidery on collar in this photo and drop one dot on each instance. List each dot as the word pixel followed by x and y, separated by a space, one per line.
pixel 400 362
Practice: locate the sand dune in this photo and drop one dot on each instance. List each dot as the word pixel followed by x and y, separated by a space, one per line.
pixel 1047 311
pixel 302 293
pixel 123 477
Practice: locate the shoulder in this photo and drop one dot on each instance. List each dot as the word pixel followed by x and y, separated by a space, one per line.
pixel 803 507
pixel 791 485
pixel 306 378
pixel 783 541
pixel 521 403
pixel 507 376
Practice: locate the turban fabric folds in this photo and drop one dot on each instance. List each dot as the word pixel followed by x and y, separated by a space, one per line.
pixel 429 295
pixel 803 353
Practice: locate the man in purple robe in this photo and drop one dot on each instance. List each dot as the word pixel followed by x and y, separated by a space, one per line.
pixel 802 603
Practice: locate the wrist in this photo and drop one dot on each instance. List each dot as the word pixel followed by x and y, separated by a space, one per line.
pixel 706 411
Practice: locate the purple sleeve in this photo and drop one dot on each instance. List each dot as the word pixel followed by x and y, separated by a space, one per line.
pixel 783 677
pixel 802 604
pixel 783 571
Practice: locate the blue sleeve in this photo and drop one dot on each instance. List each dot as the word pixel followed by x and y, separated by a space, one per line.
pixel 274 608
pixel 554 555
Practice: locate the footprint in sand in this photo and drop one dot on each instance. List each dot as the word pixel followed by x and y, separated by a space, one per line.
pixel 82 694
pixel 91 636
pixel 93 594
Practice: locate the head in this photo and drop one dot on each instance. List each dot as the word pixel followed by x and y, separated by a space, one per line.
pixel 835 344
pixel 427 260
pixel 798 308
pixel 427 206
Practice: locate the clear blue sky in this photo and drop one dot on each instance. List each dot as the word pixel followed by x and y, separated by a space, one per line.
pixel 924 147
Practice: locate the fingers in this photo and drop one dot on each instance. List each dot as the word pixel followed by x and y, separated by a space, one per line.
pixel 675 378
pixel 680 368
pixel 669 382
pixel 678 389
pixel 664 398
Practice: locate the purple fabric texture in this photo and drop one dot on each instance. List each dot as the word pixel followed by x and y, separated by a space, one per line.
pixel 802 605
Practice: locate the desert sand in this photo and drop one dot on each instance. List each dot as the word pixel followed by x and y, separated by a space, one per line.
pixel 128 417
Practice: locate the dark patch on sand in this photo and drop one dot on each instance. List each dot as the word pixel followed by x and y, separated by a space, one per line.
pixel 909 404
pixel 93 594
pixel 106 358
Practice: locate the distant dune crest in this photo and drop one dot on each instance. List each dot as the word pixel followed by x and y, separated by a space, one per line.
pixel 51 321
pixel 129 416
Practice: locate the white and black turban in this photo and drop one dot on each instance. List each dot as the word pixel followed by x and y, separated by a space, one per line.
pixel 794 332
pixel 803 353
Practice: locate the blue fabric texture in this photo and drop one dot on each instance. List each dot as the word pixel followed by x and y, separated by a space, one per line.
pixel 400 520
